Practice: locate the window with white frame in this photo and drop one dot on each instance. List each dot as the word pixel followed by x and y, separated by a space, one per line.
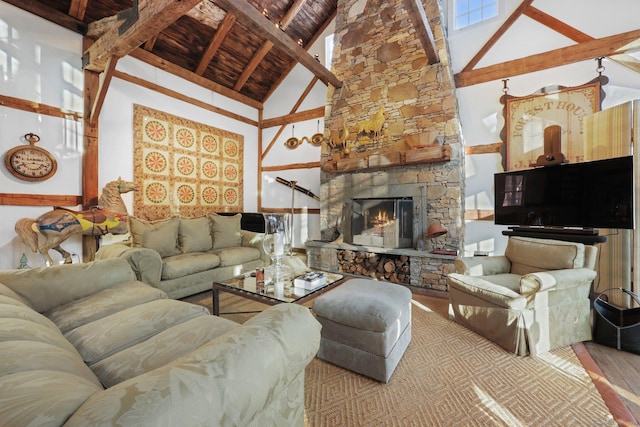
pixel 328 51
pixel 470 12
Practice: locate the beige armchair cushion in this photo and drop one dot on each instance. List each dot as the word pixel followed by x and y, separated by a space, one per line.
pixel 531 255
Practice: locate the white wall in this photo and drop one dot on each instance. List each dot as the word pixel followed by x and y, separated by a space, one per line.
pixel 39 62
pixel 480 109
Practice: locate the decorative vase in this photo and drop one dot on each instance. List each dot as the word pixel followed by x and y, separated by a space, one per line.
pixel 275 244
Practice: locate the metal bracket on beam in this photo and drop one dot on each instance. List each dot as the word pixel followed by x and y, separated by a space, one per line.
pixel 130 16
pixel 86 59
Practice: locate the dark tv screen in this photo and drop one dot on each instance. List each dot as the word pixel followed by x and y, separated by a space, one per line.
pixel 596 194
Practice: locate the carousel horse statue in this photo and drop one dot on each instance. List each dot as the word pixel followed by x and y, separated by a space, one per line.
pixel 56 226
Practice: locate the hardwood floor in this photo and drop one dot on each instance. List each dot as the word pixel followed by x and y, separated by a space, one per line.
pixel 622 370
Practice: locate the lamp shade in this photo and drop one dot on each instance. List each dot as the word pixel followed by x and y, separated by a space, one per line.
pixel 435 230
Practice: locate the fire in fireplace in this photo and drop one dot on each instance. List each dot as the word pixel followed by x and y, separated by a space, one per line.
pixel 382 222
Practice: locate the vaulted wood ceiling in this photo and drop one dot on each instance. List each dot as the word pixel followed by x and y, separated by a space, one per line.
pixel 229 46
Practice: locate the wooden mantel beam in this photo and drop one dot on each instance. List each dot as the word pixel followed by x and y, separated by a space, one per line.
pixel 250 14
pixel 606 46
pixel 420 20
pixel 153 17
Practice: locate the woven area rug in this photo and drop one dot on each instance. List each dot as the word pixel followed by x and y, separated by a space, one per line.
pixel 449 376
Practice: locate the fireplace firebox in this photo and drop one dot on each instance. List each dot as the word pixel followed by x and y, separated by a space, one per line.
pixel 382 222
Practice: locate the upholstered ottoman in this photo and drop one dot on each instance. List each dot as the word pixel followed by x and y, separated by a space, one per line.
pixel 366 326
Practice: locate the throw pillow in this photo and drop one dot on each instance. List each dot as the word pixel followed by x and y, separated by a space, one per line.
pixel 226 230
pixel 194 235
pixel 161 236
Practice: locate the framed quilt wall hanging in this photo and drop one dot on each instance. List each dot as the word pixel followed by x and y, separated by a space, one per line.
pixel 183 167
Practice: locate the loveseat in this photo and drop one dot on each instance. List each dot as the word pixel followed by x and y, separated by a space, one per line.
pixel 183 256
pixel 532 299
pixel 89 345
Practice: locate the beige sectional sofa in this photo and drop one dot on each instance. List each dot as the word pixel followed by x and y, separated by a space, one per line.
pixel 183 256
pixel 89 345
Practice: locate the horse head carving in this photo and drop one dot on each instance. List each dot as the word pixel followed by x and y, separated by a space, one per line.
pixel 56 226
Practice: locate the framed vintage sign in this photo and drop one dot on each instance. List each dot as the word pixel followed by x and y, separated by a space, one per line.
pixel 526 119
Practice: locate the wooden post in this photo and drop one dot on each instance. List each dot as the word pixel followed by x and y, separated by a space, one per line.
pixel 90 156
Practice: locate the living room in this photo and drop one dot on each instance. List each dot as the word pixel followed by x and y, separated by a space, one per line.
pixel 43 64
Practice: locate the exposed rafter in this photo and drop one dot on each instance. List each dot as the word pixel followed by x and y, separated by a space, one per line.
pixel 279 39
pixel 216 41
pixel 154 16
pixel 420 21
pixel 606 46
pixel 587 48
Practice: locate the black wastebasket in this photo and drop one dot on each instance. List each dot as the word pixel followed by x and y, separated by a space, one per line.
pixel 616 326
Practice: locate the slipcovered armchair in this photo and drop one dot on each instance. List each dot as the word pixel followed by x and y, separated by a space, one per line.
pixel 532 299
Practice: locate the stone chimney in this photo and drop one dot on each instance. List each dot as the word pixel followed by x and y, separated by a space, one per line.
pixel 393 129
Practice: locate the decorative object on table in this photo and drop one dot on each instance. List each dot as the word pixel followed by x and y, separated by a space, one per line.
pixel 552 147
pixel 274 243
pixel 56 226
pixel 23 262
pixel 310 280
pixel 616 326
pixel 294 187
pixel 29 162
pixel 184 167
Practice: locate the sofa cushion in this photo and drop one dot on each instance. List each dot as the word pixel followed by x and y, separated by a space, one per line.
pixel 236 255
pixel 161 236
pixel 44 288
pixel 101 304
pixel 106 336
pixel 528 255
pixel 31 342
pixel 226 230
pixel 161 349
pixel 182 265
pixel 42 398
pixel 195 235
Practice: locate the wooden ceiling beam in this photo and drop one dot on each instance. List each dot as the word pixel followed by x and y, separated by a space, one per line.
pixel 148 45
pixel 281 40
pixel 267 45
pixel 496 36
pixel 606 46
pixel 556 25
pixel 253 64
pixel 224 27
pixel 153 17
pixel 420 20
pixel 293 63
pixel 574 34
pixel 78 9
pixel 105 81
pixel 169 67
pixel 50 14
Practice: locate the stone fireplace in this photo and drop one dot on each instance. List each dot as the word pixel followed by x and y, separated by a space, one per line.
pixel 391 132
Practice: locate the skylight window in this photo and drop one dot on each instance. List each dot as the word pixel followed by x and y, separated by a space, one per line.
pixel 470 12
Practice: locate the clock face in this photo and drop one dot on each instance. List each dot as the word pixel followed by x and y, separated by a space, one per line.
pixel 31 163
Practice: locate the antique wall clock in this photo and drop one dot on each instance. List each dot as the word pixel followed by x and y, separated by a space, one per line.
pixel 31 163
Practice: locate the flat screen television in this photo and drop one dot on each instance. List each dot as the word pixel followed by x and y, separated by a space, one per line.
pixel 595 194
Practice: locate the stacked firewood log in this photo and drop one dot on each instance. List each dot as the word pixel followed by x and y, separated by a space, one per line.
pixel 393 268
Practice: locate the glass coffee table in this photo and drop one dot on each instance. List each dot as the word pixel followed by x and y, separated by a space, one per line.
pixel 245 286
